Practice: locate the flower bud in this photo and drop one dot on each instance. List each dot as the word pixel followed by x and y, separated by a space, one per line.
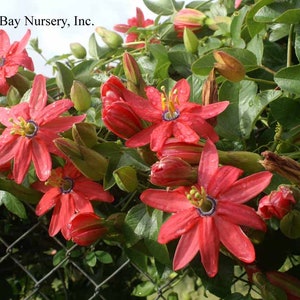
pixel 277 204
pixel 13 96
pixel 120 119
pixel 86 228
pixel 110 38
pixel 84 134
pixel 80 96
pixel 268 290
pixel 111 91
pixel 282 165
pixel 247 161
pixel 89 162
pixel 190 153
pixel 190 18
pixel 190 40
pixel 290 224
pixel 288 283
pixel 210 94
pixel 78 50
pixel 126 178
pixel 228 66
pixel 173 171
pixel 135 81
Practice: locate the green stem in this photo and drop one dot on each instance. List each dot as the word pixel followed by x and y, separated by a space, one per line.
pixel 258 80
pixel 290 46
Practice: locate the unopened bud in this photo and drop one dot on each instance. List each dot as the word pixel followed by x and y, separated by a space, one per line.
pixel 190 40
pixel 78 50
pixel 89 162
pixel 228 66
pixel 110 38
pixel 80 96
pixel 13 96
pixel 173 171
pixel 188 18
pixel 283 165
pixel 126 178
pixel 135 81
pixel 247 161
pixel 290 224
pixel 84 134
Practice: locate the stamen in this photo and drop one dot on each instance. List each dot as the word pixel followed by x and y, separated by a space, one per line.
pixel 24 128
pixel 2 61
pixel 205 204
pixel 67 185
pixel 168 104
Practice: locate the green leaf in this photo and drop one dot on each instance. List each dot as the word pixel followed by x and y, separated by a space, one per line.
pixel 181 61
pixel 238 296
pixel 279 12
pixel 286 112
pixel 238 120
pixel 158 251
pixel 91 259
pixel 203 65
pixel 21 192
pixel 83 73
pixel 12 204
pixel 288 79
pixel 64 78
pixel 290 224
pixel 143 289
pixel 236 27
pixel 163 7
pixel 104 257
pixel 253 26
pixel 160 54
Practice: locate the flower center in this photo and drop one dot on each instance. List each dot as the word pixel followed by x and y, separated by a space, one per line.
pixel 24 128
pixel 206 205
pixel 65 184
pixel 2 61
pixel 168 104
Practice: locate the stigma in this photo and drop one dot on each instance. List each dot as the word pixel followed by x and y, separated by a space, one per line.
pixel 24 128
pixel 169 103
pixel 56 179
pixel 206 205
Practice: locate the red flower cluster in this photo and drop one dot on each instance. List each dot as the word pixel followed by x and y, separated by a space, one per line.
pixel 133 36
pixel 12 56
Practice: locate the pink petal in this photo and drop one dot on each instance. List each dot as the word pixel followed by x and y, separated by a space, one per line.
pixel 142 138
pixel 61 124
pixel 67 210
pixel 81 203
pixel 246 188
pixel 52 111
pixel 154 96
pixel 240 214
pixel 178 224
pixel 9 144
pixel 23 156
pixel 4 43
pixel 38 96
pixel 168 201
pixel 214 109
pixel 92 190
pixel 160 135
pixel 209 163
pixel 203 128
pixel 41 159
pixel 187 248
pixel 23 42
pixel 235 240
pixel 223 178
pixel 182 89
pixel 56 222
pixel 142 107
pixel 184 133
pixel 48 201
pixel 209 244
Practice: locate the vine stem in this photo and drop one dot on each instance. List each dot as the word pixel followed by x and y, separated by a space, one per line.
pixel 290 46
